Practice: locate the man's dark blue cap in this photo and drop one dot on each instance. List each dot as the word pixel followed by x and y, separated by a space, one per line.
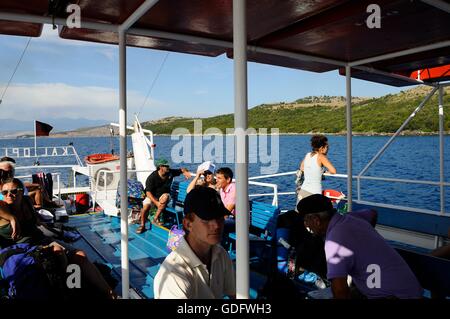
pixel 205 202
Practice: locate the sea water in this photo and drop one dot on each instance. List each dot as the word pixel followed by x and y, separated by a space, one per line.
pixel 409 157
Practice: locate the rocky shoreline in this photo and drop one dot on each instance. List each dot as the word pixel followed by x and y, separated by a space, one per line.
pixel 405 133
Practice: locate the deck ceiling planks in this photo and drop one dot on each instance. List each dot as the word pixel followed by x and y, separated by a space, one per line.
pixel 35 7
pixel 332 29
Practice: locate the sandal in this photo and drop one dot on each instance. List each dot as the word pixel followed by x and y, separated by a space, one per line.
pixel 140 229
pixel 157 222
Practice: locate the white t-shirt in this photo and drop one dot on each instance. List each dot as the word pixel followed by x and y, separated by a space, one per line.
pixel 183 276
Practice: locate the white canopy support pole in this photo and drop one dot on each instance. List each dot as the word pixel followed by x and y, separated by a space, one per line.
pixel 441 148
pixel 123 142
pixel 137 14
pixel 397 54
pixel 400 129
pixel 438 240
pixel 123 165
pixel 348 82
pixel 35 141
pixel 241 167
pixel 391 75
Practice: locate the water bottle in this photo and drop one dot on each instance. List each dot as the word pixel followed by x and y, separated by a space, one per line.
pixel 342 208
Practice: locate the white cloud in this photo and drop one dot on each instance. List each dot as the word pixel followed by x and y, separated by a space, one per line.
pixel 109 53
pixel 56 100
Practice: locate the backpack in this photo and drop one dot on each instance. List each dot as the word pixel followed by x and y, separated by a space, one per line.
pixel 29 272
pixel 136 194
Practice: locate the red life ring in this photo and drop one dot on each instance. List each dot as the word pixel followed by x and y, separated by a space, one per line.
pixel 100 158
pixel 333 194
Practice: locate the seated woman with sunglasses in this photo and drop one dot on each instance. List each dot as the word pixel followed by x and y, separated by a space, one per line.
pixel 34 191
pixel 19 224
pixel 8 224
pixel 21 208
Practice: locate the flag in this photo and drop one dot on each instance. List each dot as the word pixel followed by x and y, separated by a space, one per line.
pixel 42 129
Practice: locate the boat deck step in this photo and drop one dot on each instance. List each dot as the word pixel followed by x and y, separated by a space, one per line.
pixel 101 242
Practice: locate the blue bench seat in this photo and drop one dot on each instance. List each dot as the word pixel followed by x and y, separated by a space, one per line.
pixel 178 192
pixel 262 235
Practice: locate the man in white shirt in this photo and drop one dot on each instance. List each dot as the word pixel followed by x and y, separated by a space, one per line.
pixel 199 268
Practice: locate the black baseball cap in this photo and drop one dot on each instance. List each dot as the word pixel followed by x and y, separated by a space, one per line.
pixel 313 204
pixel 205 202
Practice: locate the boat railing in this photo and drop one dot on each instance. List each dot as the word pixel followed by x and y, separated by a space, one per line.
pixel 58 181
pixel 41 152
pixel 44 152
pixel 359 199
pixel 104 173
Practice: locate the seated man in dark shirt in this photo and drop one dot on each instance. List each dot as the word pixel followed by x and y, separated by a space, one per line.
pixel 157 188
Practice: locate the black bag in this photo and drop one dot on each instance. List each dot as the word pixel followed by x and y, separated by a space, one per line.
pixel 310 248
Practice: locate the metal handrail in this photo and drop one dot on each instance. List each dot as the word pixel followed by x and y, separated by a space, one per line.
pixel 275 190
pixel 53 174
pixel 276 193
pixel 105 172
pixel 344 176
pixel 15 153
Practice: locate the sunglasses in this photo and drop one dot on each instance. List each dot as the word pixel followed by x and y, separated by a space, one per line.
pixel 11 191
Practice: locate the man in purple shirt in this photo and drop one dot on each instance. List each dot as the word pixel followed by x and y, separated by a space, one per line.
pixel 354 248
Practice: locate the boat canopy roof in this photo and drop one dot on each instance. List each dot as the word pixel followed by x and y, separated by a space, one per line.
pixel 318 36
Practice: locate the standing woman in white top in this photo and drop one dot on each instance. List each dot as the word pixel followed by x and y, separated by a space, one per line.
pixel 313 166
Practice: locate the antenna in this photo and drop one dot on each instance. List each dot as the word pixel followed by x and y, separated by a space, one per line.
pixel 153 83
pixel 14 72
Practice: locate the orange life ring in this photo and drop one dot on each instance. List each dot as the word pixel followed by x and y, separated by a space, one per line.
pixel 100 158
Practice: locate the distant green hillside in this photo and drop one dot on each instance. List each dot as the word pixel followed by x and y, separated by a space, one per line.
pixel 327 114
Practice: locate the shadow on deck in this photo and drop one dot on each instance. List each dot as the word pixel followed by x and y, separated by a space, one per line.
pixel 101 242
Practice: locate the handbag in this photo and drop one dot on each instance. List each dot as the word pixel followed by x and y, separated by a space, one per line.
pixel 300 177
pixel 174 239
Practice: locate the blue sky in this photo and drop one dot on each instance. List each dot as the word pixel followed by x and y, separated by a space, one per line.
pixel 60 78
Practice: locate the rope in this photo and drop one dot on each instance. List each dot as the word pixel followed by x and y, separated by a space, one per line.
pixel 153 83
pixel 15 69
